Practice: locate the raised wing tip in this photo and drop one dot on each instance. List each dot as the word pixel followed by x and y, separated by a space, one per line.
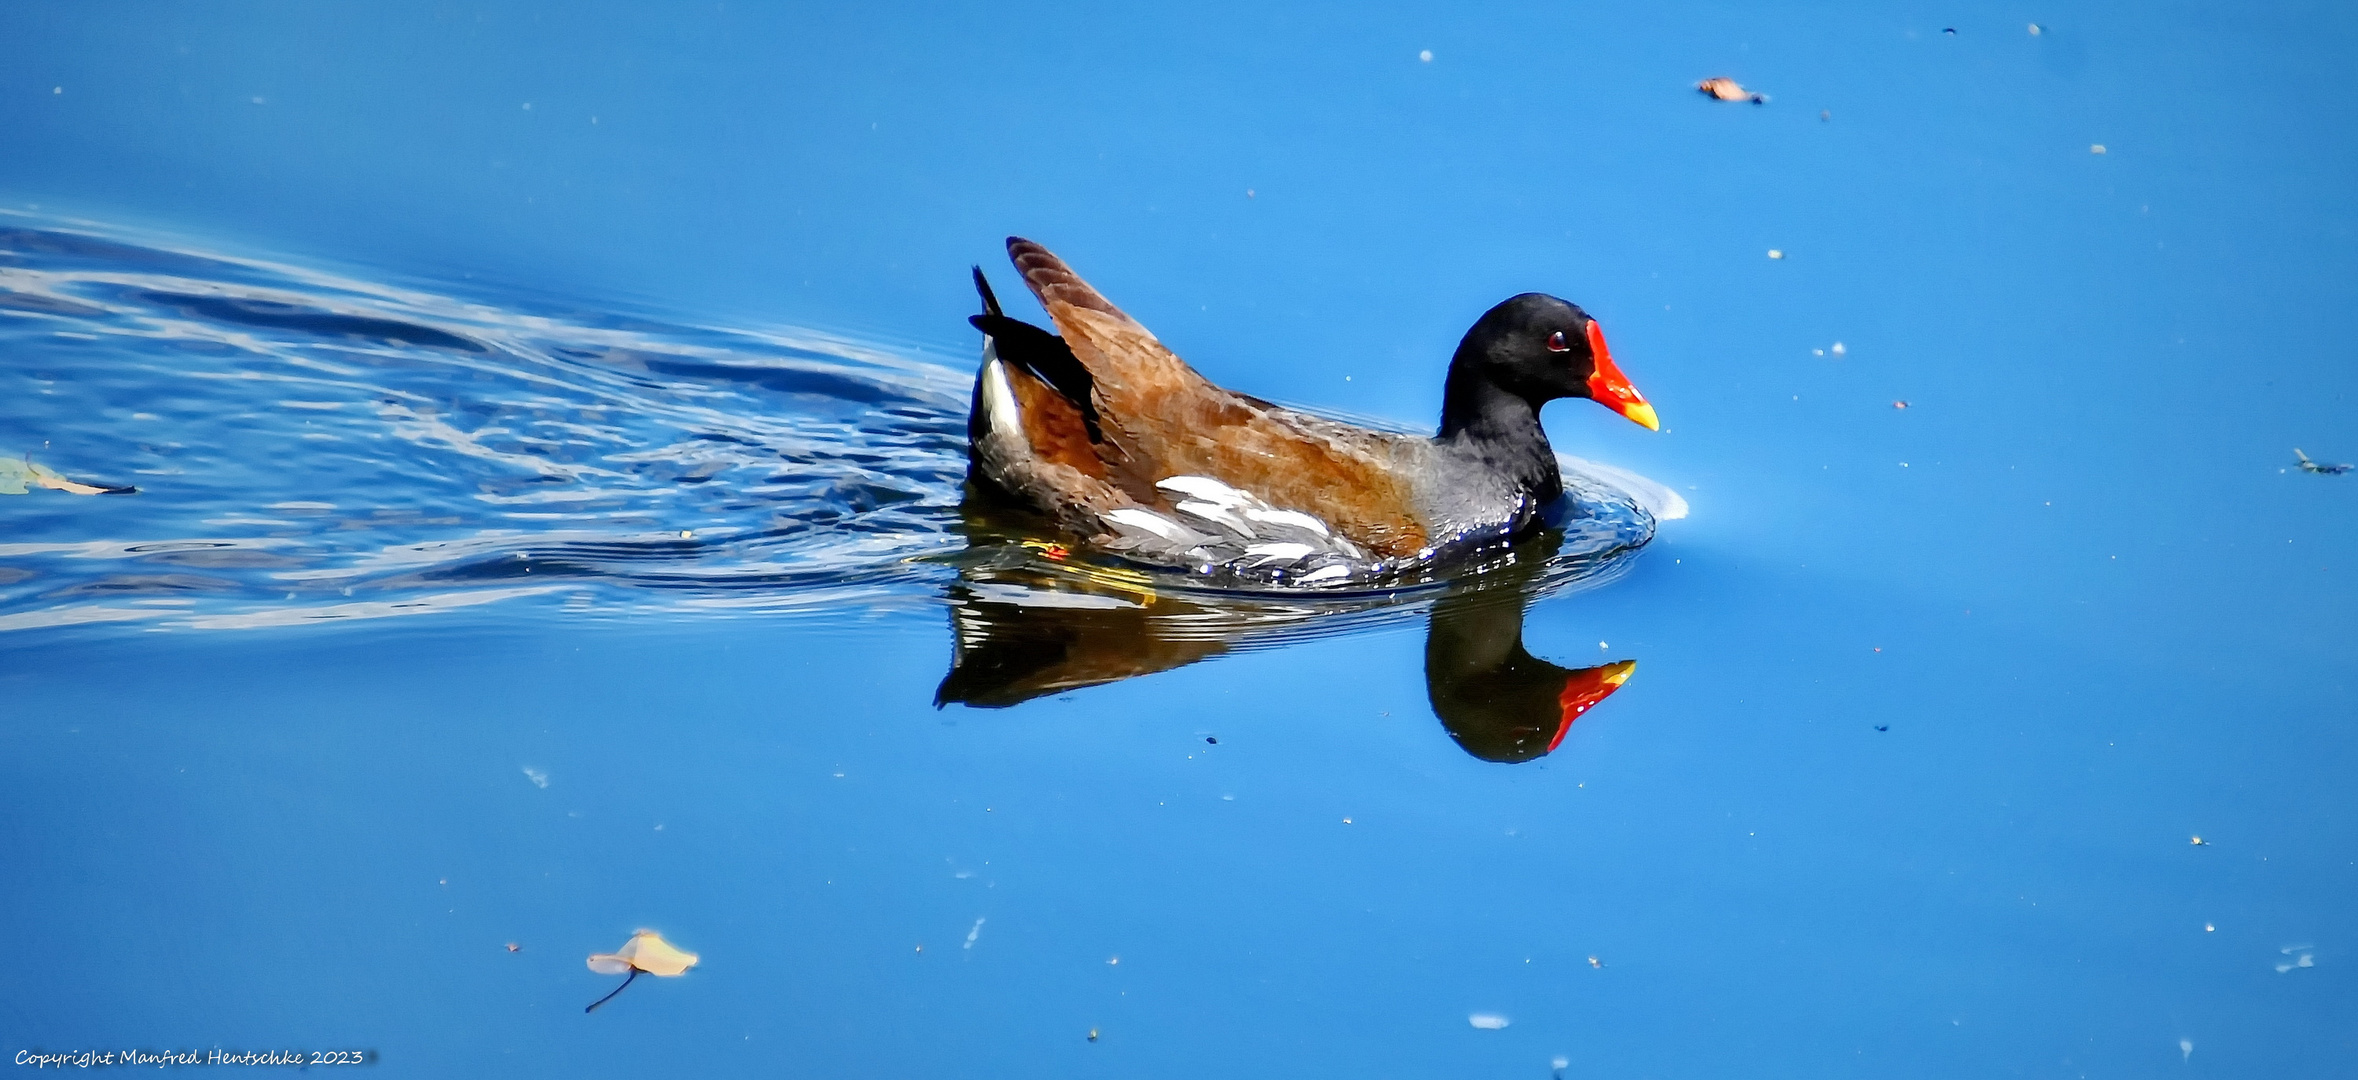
pixel 1030 257
pixel 1053 281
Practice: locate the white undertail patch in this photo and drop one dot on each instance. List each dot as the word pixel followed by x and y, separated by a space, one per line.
pixel 998 396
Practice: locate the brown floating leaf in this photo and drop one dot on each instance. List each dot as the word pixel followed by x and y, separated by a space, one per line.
pixel 645 951
pixel 1727 89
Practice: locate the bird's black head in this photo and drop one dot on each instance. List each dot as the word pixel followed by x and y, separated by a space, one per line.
pixel 1535 348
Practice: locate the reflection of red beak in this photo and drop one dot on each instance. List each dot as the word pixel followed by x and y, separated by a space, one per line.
pixel 1610 388
pixel 1587 686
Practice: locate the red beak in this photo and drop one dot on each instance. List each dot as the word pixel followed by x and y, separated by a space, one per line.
pixel 1610 388
pixel 1584 688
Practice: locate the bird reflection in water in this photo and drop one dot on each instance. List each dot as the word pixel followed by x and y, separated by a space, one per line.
pixel 1031 618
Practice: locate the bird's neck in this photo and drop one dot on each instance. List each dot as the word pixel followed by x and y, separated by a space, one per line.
pixel 1501 429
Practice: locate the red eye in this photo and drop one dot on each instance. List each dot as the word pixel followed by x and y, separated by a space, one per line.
pixel 1555 342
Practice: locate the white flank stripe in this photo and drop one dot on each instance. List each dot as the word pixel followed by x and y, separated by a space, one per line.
pixel 1207 489
pixel 1270 553
pixel 1295 518
pixel 1218 515
pixel 1149 521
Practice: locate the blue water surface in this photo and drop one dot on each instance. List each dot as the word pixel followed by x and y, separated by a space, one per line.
pixel 548 427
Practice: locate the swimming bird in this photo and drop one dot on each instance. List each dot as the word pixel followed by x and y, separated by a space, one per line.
pixel 1118 440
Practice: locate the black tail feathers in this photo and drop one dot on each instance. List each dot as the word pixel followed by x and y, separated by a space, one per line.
pixel 1041 353
pixel 983 285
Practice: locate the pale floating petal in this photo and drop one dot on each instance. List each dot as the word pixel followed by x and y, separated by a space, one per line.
pixel 646 951
pixel 1726 89
pixel 17 476
pixel 54 482
pixel 655 956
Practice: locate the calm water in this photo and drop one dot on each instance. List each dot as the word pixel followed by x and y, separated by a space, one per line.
pixel 513 565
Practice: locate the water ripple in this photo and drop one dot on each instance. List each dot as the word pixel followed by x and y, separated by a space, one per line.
pixel 311 447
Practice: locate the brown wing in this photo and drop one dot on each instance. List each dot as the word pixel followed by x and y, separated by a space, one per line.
pixel 1164 419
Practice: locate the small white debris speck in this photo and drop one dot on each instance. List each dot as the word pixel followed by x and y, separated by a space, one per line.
pixel 2185 1046
pixel 1776 253
pixel 1838 349
pixel 2095 148
pixel 539 779
pixel 2209 929
pixel 1425 56
pixel 973 934
pixel 1488 1021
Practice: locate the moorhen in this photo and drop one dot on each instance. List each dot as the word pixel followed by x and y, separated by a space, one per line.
pixel 1119 441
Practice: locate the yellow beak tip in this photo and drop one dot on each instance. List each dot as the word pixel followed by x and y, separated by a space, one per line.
pixel 1643 414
